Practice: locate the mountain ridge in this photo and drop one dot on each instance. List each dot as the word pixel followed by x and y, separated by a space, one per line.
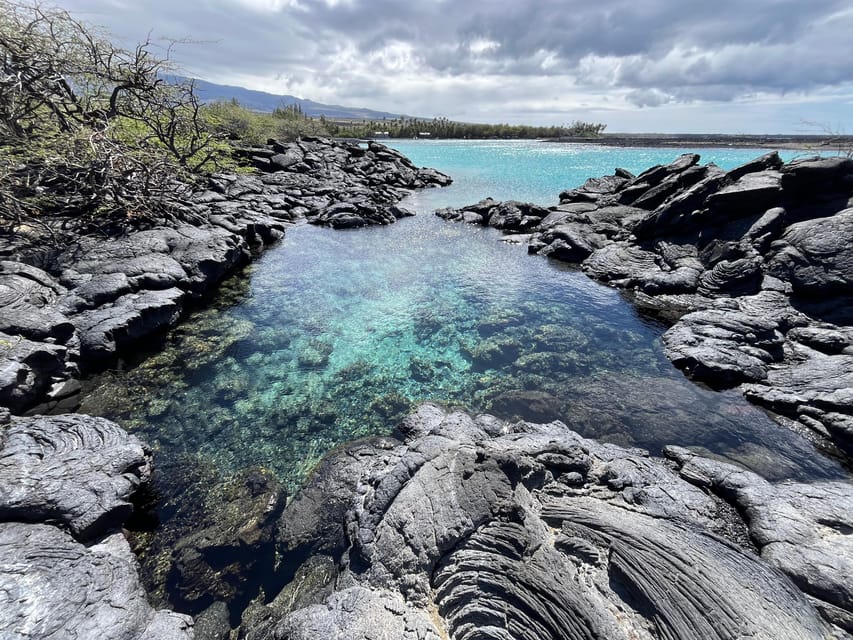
pixel 267 102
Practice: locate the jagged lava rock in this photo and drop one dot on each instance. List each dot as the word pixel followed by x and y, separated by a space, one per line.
pixel 736 260
pixel 477 528
pixel 52 586
pixel 66 571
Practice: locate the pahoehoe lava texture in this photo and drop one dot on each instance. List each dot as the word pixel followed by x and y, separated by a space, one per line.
pixel 472 528
pixel 66 570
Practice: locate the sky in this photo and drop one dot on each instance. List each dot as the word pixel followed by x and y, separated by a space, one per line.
pixel 666 66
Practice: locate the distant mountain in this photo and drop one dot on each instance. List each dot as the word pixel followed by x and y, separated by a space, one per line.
pixel 262 101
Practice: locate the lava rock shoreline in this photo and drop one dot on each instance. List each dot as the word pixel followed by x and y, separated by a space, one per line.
pixel 753 267
pixel 461 526
pixel 469 527
pixel 69 309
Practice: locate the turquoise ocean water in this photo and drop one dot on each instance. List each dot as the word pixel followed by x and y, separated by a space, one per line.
pixel 334 335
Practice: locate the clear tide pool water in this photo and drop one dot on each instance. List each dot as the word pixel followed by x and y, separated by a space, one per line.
pixel 335 335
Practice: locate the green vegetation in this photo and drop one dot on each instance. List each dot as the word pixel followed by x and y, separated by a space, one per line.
pixel 91 131
pixel 444 128
pixel 94 133
pixel 236 123
pixel 289 122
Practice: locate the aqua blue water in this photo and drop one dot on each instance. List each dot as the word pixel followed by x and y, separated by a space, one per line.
pixel 534 171
pixel 335 335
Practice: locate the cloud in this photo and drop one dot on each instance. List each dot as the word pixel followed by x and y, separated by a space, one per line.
pixel 648 97
pixel 481 56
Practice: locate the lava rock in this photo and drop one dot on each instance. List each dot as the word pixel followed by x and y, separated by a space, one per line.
pixel 473 527
pixel 52 586
pixel 71 469
pixel 216 563
pixel 816 256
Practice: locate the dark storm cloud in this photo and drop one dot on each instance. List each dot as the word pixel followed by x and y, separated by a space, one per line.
pixel 650 53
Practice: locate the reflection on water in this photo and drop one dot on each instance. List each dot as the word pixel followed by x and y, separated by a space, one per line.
pixel 336 335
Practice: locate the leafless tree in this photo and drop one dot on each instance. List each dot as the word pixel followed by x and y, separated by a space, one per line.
pixel 87 128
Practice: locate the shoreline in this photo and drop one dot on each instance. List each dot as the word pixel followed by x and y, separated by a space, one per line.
pixel 518 483
pixel 747 266
pixel 815 143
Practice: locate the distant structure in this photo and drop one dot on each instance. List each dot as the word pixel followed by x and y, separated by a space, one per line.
pixel 381 134
pixel 424 134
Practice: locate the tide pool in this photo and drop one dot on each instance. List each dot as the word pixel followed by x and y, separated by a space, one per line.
pixel 336 335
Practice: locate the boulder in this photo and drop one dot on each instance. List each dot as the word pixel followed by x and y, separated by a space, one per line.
pixel 816 256
pixel 107 330
pixel 804 177
pixel 28 369
pixel 750 193
pixel 725 344
pixel 71 469
pixel 539 534
pixel 52 586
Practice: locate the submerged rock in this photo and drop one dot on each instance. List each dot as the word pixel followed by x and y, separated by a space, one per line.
pixel 477 528
pixel 736 260
pixel 223 560
pixel 92 299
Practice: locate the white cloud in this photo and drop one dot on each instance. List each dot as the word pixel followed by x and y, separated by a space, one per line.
pixel 547 61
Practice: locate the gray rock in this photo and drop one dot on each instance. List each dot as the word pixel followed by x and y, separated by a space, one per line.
pixel 28 369
pixel 52 586
pixel 766 229
pixel 108 329
pixel 570 242
pixel 815 380
pixel 816 256
pixel 675 216
pixel 767 161
pixel 474 527
pixel 657 174
pixel 750 193
pixel 358 613
pixel 725 344
pixel 827 339
pixel 73 469
pixel 802 529
pixel 742 276
pixel 213 623
pixel 803 177
pixel 627 265
pixel 593 189
pixel 655 196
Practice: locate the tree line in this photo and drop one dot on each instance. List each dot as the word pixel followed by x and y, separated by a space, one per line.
pixel 445 128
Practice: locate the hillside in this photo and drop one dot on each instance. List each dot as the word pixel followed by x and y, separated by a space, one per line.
pixel 263 101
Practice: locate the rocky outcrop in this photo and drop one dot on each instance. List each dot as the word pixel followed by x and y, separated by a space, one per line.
pixel 341 185
pixel 73 307
pixel 474 528
pixel 66 571
pixel 753 266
